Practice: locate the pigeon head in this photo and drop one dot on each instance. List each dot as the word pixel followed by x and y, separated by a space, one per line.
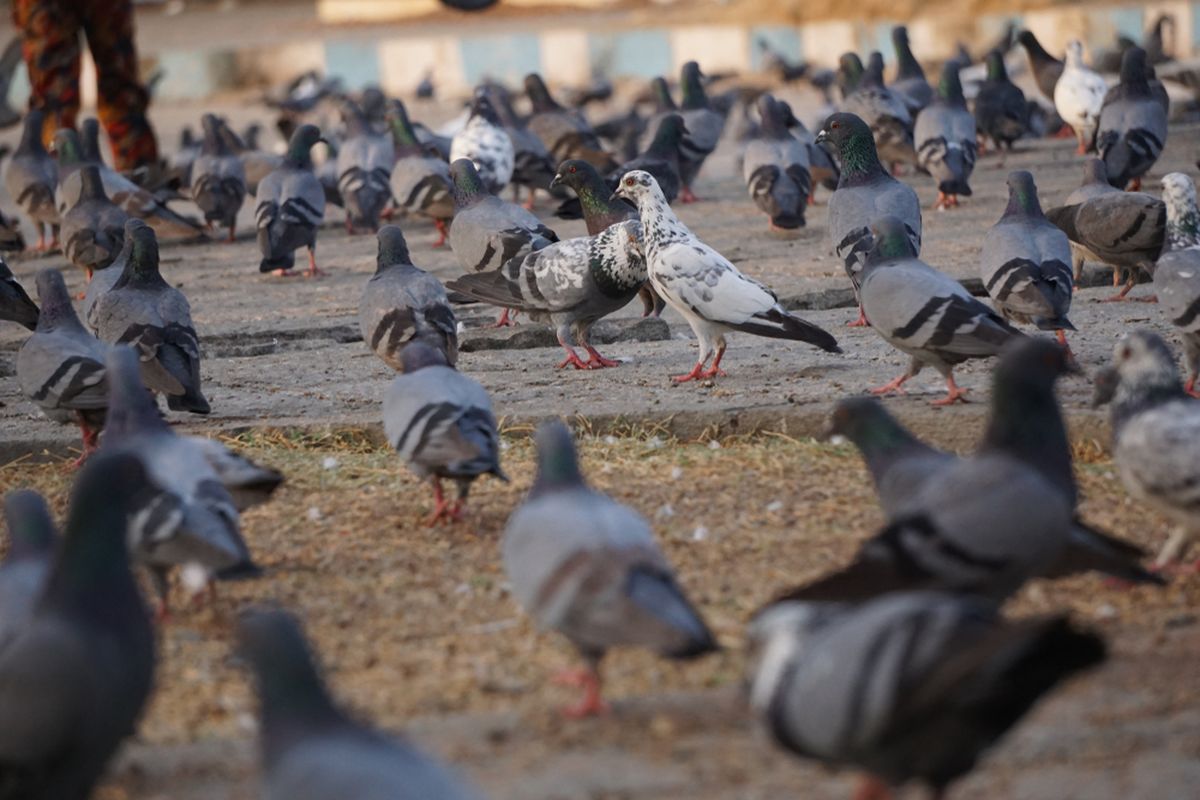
pixel 1074 55
pixel 373 101
pixel 670 132
pixel 142 267
pixel 692 87
pixel 1022 193
pixel 662 94
pixel 950 86
pixel 557 461
pixel 31 530
pixel 866 423
pixel 873 74
pixel 770 111
pixel 482 107
pixel 1033 46
pixel 31 133
pixel 1183 219
pixel 468 186
pixel 539 95
pixel 638 186
pixel 353 117
pixel 301 144
pixel 996 71
pixel 66 146
pixel 1094 171
pixel 1134 67
pixel 55 301
pixel 1143 358
pixel 854 144
pixel 402 130
pixel 417 355
pixel 393 249
pixel 89 138
pixel 890 241
pixel 91 185
pixel 906 63
pixel 131 406
pixel 582 178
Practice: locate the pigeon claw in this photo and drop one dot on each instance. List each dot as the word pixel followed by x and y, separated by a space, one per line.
pixel 687 196
pixel 597 361
pixel 696 374
pixel 953 394
pixel 592 704
pixel 861 322
pixel 574 360
pixel 891 387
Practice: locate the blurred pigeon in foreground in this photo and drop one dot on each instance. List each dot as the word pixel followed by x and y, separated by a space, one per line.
pixel 313 750
pixel 1177 273
pixel 290 205
pixel 1132 129
pixel 705 287
pixel 588 567
pixel 945 137
pixel 31 179
pixel 15 305
pixel 441 423
pixel 75 676
pixel 32 543
pixel 218 178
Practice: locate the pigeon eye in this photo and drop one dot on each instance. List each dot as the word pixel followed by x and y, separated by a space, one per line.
pixel 572 169
pixel 836 125
pixel 629 181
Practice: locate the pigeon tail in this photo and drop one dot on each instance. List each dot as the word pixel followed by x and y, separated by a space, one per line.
pixel 776 323
pixel 659 595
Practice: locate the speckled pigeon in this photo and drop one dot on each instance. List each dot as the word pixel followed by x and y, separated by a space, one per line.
pixel 945 138
pixel 776 169
pixel 1133 125
pixel 589 568
pixel 485 142
pixel 289 207
pixel 31 178
pixel 218 178
pixel 532 166
pixel 1177 273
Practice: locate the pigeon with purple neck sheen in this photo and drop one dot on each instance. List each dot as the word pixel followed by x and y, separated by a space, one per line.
pixel 945 137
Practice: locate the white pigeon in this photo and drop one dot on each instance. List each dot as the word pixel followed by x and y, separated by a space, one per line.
pixel 704 287
pixel 1079 96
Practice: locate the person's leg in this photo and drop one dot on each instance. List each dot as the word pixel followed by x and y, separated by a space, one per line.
pixel 120 97
pixel 50 45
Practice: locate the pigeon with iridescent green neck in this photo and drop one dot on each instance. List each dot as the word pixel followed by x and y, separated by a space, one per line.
pixel 910 81
pixel 1177 273
pixel 290 206
pixel 420 181
pixel 945 137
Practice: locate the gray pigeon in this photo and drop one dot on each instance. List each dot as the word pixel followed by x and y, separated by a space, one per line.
pixel 10 60
pixel 32 542
pixel 572 283
pixel 705 287
pixel 1095 183
pixel 15 305
pixel 1155 428
pixel 249 484
pixel 584 565
pixel 31 178
pixel 1025 263
pixel 532 166
pixel 146 312
pixel 822 166
pixel 289 207
pixel 776 169
pixel 1177 273
pixel 402 303
pixel 218 178
pixel 485 142
pixel 1133 125
pixel 565 134
pixel 420 181
pixel 102 283
pixel 884 112
pixel 75 676
pixel 256 163
pixel 702 129
pixel 923 312
pixel 186 517
pixel 910 688
pixel 910 84
pixel 311 749
pixel 441 423
pixel 865 192
pixel 61 366
pixel 1046 68
pixel 93 229
pixel 944 134
pixel 662 158
pixel 364 169
pixel 1001 112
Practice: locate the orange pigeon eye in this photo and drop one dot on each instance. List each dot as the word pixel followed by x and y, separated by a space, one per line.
pixel 835 125
pixel 629 181
pixel 572 169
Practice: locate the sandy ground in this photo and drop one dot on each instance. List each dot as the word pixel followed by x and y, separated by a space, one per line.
pixel 415 626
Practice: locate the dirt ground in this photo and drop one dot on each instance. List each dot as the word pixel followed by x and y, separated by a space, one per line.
pixel 416 628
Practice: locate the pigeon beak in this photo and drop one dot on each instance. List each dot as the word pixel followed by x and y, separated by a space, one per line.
pixel 556 181
pixel 821 137
pixel 616 196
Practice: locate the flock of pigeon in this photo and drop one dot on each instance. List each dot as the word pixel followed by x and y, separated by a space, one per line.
pixel 898 664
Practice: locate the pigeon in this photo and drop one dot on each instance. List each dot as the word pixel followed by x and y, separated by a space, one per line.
pixel 1078 97
pixel 945 138
pixel 441 423
pixel 10 61
pixel 865 192
pixel 425 89
pixel 32 542
pixel 185 517
pixel 1046 68
pixel 1133 125
pixel 704 287
pixel 588 567
pixel 884 112
pixel 908 688
pixel 74 151
pixel 776 169
pixel 910 84
pixel 61 366
pixel 102 283
pixel 11 240
pixel 1025 263
pixel 313 750
pixel 93 230
pixel 256 163
pixel 532 165
pixel 145 312
pixel 364 168
pixel 1124 229
pixel 822 166
pixel 75 676
pixel 923 312
pixel 289 207
pixel 218 178
pixel 1001 113
pixel 702 129
pixel 420 181
pixel 1155 424
pixel 572 283
pixel 661 158
pixel 1095 183
pixel 180 163
pixel 564 133
pixel 485 142
pixel 402 303
pixel 249 483
pixel 31 179
pixel 1177 273
pixel 15 305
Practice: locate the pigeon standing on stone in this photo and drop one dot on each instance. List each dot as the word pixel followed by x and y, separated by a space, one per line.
pixel 289 207
pixel 32 542
pixel 15 305
pixel 910 688
pixel 910 81
pixel 1155 429
pixel 486 144
pixel 218 179
pixel 147 313
pixel 75 676
pixel 923 312
pixel 1046 68
pixel 1133 125
pixel 946 140
pixel 884 112
pixel 93 229
pixel 402 303
pixel 776 169
pixel 565 134
pixel 865 193
pixel 441 423
pixel 661 158
pixel 1001 112
pixel 1177 273
pixel 31 179
pixel 61 366
pixel 704 287
pixel 1079 96
pixel 532 165
pixel 311 749
pixel 364 169
pixel 420 181
pixel 1025 263
pixel 588 567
